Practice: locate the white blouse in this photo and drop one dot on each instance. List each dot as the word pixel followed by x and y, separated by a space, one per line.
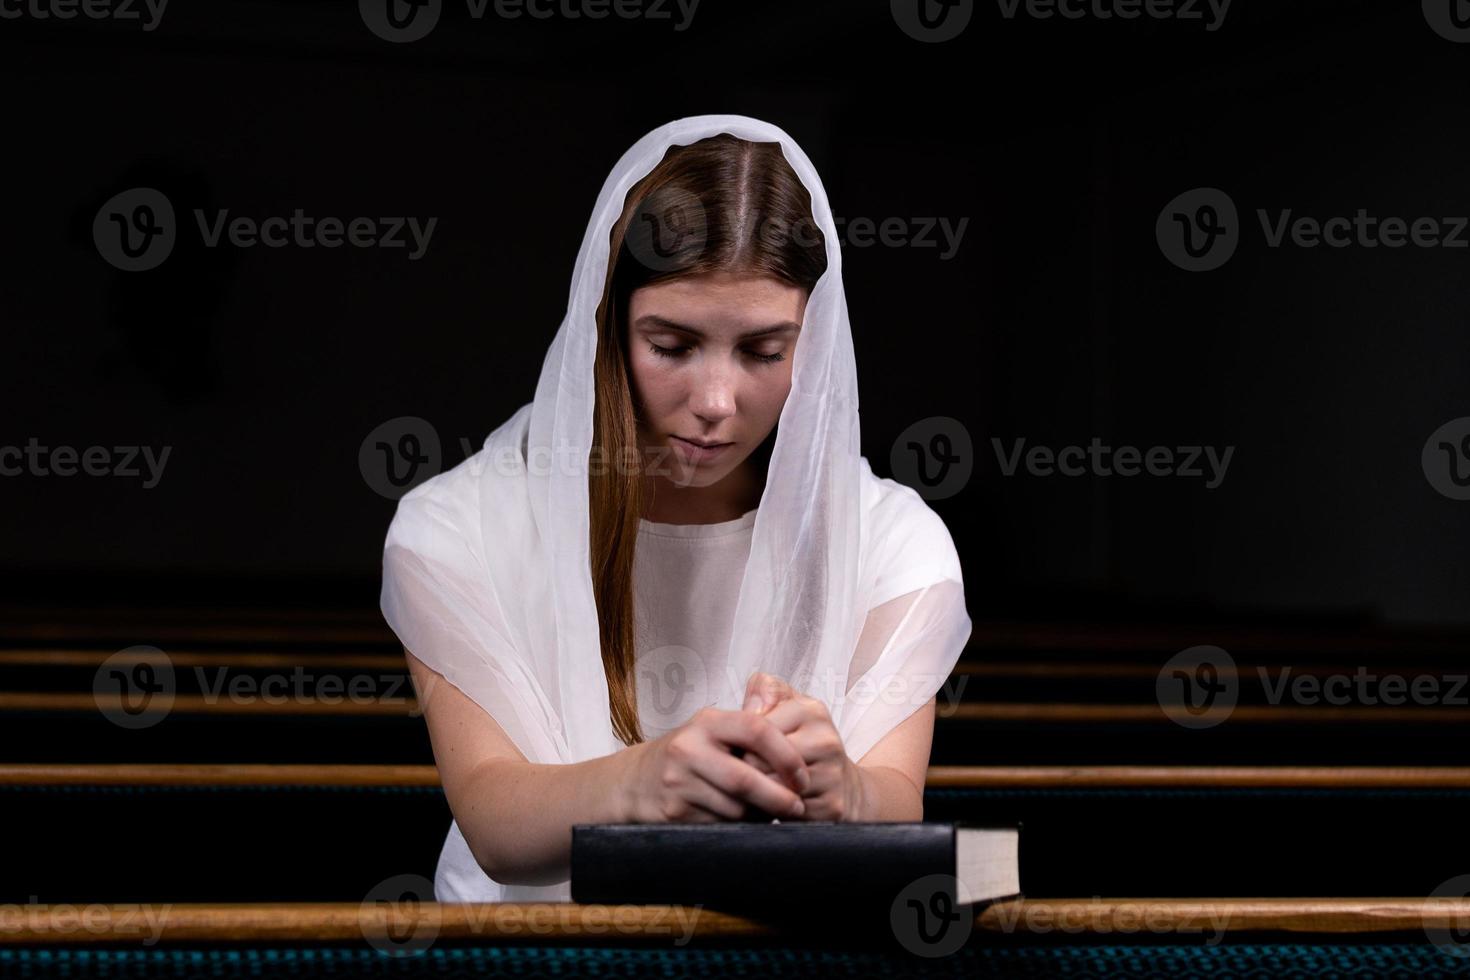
pixel 686 579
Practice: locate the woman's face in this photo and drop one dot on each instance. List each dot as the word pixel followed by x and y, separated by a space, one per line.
pixel 711 361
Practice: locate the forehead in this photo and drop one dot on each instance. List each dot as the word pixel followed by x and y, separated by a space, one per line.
pixel 716 301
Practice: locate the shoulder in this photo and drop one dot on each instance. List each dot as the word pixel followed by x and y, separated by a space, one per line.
pixel 434 526
pixel 907 544
pixel 441 517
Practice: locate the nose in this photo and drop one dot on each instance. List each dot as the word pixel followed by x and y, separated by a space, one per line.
pixel 713 395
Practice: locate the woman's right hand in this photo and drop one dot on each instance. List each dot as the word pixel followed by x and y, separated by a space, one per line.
pixel 691 776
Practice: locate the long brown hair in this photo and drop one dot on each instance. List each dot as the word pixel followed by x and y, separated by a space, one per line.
pixel 721 204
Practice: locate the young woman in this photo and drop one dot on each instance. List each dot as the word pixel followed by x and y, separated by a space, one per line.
pixel 670 588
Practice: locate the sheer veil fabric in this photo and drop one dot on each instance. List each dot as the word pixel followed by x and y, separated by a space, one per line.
pixel 852 590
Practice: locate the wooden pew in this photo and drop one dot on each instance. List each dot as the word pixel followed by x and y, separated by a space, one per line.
pixel 946 777
pixel 562 923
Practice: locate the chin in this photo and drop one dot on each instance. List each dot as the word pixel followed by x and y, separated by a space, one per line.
pixel 688 475
pixel 698 476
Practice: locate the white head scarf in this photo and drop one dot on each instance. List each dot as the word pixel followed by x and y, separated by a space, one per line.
pixel 486 570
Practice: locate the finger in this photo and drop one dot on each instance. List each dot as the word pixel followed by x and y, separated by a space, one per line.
pixel 788 716
pixel 759 765
pixel 764 691
pixel 733 778
pixel 756 734
pixel 706 799
pixel 694 813
pixel 807 726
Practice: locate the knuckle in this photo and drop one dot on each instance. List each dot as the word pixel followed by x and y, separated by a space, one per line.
pixel 679 747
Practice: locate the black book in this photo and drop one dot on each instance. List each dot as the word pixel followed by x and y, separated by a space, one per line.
pixel 803 868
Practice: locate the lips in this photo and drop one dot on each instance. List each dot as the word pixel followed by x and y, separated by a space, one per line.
pixel 695 453
pixel 702 445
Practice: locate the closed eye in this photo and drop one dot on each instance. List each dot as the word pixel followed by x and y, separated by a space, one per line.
pixel 681 351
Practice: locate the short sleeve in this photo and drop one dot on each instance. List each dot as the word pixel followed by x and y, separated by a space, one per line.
pixel 916 626
pixel 439 603
pixel 912 547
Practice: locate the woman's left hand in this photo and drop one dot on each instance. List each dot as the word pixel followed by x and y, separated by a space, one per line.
pixel 836 787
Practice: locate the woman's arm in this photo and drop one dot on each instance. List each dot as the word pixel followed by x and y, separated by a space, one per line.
pixel 516 816
pixel 894 771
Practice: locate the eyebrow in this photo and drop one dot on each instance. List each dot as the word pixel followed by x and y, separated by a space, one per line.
pixel 654 320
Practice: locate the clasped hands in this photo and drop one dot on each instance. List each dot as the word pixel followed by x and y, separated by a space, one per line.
pixel 779 755
pixel 832 788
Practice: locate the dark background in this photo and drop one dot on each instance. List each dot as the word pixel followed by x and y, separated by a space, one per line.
pixel 1058 320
